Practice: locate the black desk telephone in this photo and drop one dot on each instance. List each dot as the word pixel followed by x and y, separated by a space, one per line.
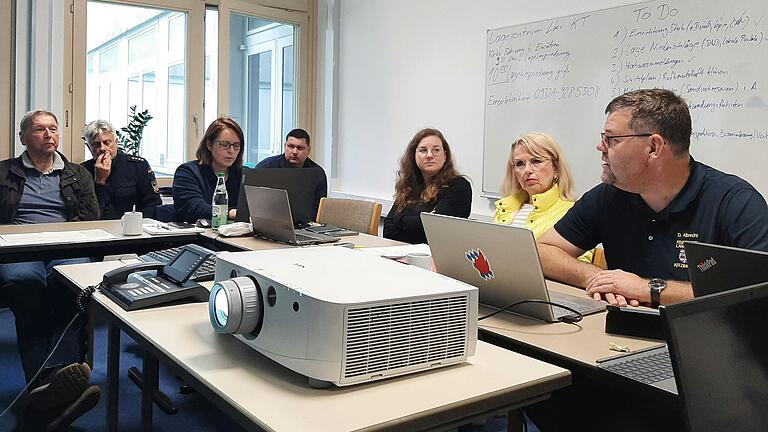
pixel 141 285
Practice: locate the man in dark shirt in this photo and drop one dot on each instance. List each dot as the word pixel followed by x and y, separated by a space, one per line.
pixel 122 181
pixel 296 155
pixel 42 186
pixel 654 197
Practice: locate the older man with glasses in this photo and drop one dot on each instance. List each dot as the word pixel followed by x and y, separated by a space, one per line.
pixel 122 181
pixel 41 186
pixel 654 197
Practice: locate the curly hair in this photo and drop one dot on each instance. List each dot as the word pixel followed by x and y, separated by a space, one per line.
pixel 410 188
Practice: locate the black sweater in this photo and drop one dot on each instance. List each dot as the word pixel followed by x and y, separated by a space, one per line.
pixel 453 199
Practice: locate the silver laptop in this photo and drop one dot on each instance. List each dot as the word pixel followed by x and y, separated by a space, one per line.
pixel 502 262
pixel 271 218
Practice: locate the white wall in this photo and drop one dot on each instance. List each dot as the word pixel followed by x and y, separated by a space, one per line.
pixel 405 65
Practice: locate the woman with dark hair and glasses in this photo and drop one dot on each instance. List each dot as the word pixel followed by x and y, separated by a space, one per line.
pixel 220 151
pixel 426 182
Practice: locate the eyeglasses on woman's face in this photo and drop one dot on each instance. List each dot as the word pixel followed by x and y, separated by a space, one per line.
pixel 537 163
pixel 226 145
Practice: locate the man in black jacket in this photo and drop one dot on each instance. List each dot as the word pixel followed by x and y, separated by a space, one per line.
pixel 41 186
pixel 122 181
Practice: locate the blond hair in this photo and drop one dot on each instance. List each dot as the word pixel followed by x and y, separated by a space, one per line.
pixel 544 146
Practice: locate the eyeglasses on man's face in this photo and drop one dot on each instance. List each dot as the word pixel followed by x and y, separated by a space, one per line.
pixel 226 145
pixel 537 163
pixel 606 139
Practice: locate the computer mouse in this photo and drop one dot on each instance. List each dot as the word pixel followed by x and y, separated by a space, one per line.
pixel 203 223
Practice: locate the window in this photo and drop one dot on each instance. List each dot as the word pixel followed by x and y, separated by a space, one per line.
pixel 132 79
pixel 108 59
pixel 188 63
pixel 142 46
pixel 261 76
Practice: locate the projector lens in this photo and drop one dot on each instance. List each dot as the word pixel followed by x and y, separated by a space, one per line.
pixel 235 306
pixel 221 307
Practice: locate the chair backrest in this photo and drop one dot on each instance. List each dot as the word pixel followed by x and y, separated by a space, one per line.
pixel 358 215
pixel 598 259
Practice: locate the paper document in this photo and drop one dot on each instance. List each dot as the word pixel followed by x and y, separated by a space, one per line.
pixel 52 237
pixel 395 252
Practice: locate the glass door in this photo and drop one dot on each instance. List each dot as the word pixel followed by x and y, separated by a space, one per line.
pixel 258 78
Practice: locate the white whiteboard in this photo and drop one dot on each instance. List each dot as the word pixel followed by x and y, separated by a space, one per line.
pixel 557 76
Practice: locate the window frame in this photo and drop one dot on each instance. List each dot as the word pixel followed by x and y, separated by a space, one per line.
pixel 294 12
pixel 7 51
pixel 303 108
pixel 194 69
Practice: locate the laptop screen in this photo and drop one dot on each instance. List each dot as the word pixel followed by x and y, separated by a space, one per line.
pixel 270 213
pixel 299 183
pixel 717 345
pixel 714 268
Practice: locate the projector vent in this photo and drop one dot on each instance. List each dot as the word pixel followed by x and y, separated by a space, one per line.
pixel 384 337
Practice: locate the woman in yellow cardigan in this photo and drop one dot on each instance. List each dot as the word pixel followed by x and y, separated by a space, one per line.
pixel 538 186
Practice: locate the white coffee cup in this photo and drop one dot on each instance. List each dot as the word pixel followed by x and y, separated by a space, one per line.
pixel 131 222
pixel 419 259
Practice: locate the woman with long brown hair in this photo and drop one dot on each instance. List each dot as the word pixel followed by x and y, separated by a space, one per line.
pixel 426 182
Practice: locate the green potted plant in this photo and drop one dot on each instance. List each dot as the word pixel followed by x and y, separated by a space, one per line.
pixel 129 137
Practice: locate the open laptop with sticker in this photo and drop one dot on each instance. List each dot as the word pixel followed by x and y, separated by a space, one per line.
pixel 500 260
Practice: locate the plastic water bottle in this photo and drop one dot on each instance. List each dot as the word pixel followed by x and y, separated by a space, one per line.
pixel 220 203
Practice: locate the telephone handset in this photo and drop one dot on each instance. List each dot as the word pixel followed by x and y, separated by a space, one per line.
pixel 132 288
pixel 120 274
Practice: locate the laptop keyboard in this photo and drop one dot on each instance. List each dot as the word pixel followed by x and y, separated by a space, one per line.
pixel 204 273
pixel 650 369
pixel 573 305
pixel 584 306
pixel 304 238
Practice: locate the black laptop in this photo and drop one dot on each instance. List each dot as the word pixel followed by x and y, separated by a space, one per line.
pixel 717 356
pixel 714 268
pixel 299 183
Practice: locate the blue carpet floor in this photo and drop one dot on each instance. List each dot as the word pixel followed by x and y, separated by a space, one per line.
pixel 195 413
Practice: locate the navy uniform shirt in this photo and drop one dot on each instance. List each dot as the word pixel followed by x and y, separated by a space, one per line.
pixel 712 207
pixel 131 182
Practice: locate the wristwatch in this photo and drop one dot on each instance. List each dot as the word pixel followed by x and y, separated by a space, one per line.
pixel 656 286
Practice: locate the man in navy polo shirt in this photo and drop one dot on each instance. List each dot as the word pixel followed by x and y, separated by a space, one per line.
pixel 654 197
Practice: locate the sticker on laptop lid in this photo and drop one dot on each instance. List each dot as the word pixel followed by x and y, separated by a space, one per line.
pixel 480 263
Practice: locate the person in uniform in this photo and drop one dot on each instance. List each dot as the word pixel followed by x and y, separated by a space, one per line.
pixel 121 180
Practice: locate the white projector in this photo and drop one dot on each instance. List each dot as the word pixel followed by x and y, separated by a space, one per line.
pixel 342 316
